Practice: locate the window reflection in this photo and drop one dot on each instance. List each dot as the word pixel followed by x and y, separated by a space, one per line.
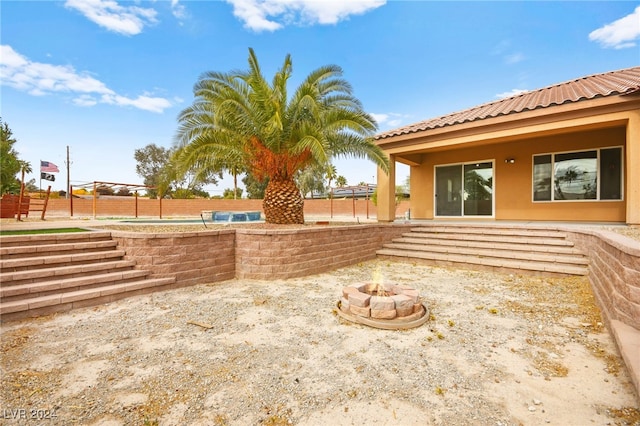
pixel 575 176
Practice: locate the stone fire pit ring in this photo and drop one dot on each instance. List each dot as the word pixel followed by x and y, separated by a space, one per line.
pixel 386 306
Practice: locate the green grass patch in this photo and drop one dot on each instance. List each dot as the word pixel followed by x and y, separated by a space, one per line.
pixel 41 231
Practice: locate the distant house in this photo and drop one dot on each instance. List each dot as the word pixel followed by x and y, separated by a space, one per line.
pixel 568 152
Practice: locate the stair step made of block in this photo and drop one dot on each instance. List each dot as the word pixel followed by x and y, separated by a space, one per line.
pixel 491 230
pixel 519 246
pixel 43 288
pixel 498 263
pixel 39 275
pixel 494 252
pixel 33 240
pixel 14 252
pixel 85 297
pixel 501 238
pixel 31 263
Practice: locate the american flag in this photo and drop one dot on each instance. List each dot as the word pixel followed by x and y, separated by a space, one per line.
pixel 48 167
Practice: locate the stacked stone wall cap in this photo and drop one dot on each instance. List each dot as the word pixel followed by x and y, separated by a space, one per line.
pixel 403 301
pixel 346 291
pixel 413 294
pixel 359 299
pixel 382 303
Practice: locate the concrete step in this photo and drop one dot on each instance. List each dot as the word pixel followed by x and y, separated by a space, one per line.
pixel 26 251
pixel 490 263
pixel 487 230
pixel 44 305
pixel 52 261
pixel 44 239
pixel 498 238
pixel 495 252
pixel 516 246
pixel 43 288
pixel 543 250
pixel 27 276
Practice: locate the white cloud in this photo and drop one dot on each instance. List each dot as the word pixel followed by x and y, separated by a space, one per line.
pixel 178 10
pixel 389 120
pixel 512 92
pixel 514 58
pixel 127 20
pixel 39 79
pixel 144 102
pixel 262 15
pixel 619 34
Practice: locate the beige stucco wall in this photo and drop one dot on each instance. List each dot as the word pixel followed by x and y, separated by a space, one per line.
pixel 513 182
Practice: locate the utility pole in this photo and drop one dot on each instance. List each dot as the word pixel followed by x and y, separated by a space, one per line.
pixel 68 178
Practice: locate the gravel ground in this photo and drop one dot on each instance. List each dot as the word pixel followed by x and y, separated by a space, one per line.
pixel 497 350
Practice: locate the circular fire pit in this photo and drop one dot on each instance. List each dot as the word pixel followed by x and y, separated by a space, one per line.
pixel 390 307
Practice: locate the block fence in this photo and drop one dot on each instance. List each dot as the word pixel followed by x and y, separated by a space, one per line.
pixel 144 207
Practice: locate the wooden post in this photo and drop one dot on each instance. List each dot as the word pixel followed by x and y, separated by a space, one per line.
pixel 46 201
pixel 71 200
pixel 20 202
pixel 95 199
pixel 353 201
pixel 331 202
pixel 136 204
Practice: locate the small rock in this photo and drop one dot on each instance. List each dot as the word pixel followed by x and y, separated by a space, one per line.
pixel 536 402
pixel 532 408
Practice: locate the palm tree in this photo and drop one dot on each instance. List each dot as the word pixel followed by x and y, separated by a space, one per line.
pixel 341 181
pixel 25 167
pixel 330 174
pixel 240 115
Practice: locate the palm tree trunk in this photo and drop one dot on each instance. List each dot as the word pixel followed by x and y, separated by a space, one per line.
pixel 283 203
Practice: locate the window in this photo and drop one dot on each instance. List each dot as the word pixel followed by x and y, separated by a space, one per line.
pixel 582 175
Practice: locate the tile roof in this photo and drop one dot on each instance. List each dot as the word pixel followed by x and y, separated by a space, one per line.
pixel 594 86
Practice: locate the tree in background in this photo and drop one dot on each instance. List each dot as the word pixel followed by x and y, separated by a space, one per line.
pixel 255 189
pixel 240 115
pixel 230 194
pixel 310 180
pixel 341 181
pixel 152 161
pixel 10 164
pixel 157 166
pixel 330 174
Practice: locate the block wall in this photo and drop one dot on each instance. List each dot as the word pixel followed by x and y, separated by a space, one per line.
pixel 126 207
pixel 192 257
pixel 614 272
pixel 281 254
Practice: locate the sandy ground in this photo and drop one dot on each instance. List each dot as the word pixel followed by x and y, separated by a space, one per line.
pixel 497 350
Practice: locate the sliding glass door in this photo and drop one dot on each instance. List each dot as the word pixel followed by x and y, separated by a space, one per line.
pixel 464 189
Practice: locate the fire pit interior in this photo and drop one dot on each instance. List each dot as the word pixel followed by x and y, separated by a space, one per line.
pixel 387 306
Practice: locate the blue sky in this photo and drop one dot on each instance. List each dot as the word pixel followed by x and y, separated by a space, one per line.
pixel 106 77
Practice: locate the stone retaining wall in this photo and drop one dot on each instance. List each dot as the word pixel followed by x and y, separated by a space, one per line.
pixel 212 256
pixel 192 257
pixel 281 254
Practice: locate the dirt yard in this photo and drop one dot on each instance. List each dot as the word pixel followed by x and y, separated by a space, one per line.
pixel 497 350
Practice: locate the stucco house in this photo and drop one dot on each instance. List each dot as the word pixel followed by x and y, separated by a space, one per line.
pixel 567 152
